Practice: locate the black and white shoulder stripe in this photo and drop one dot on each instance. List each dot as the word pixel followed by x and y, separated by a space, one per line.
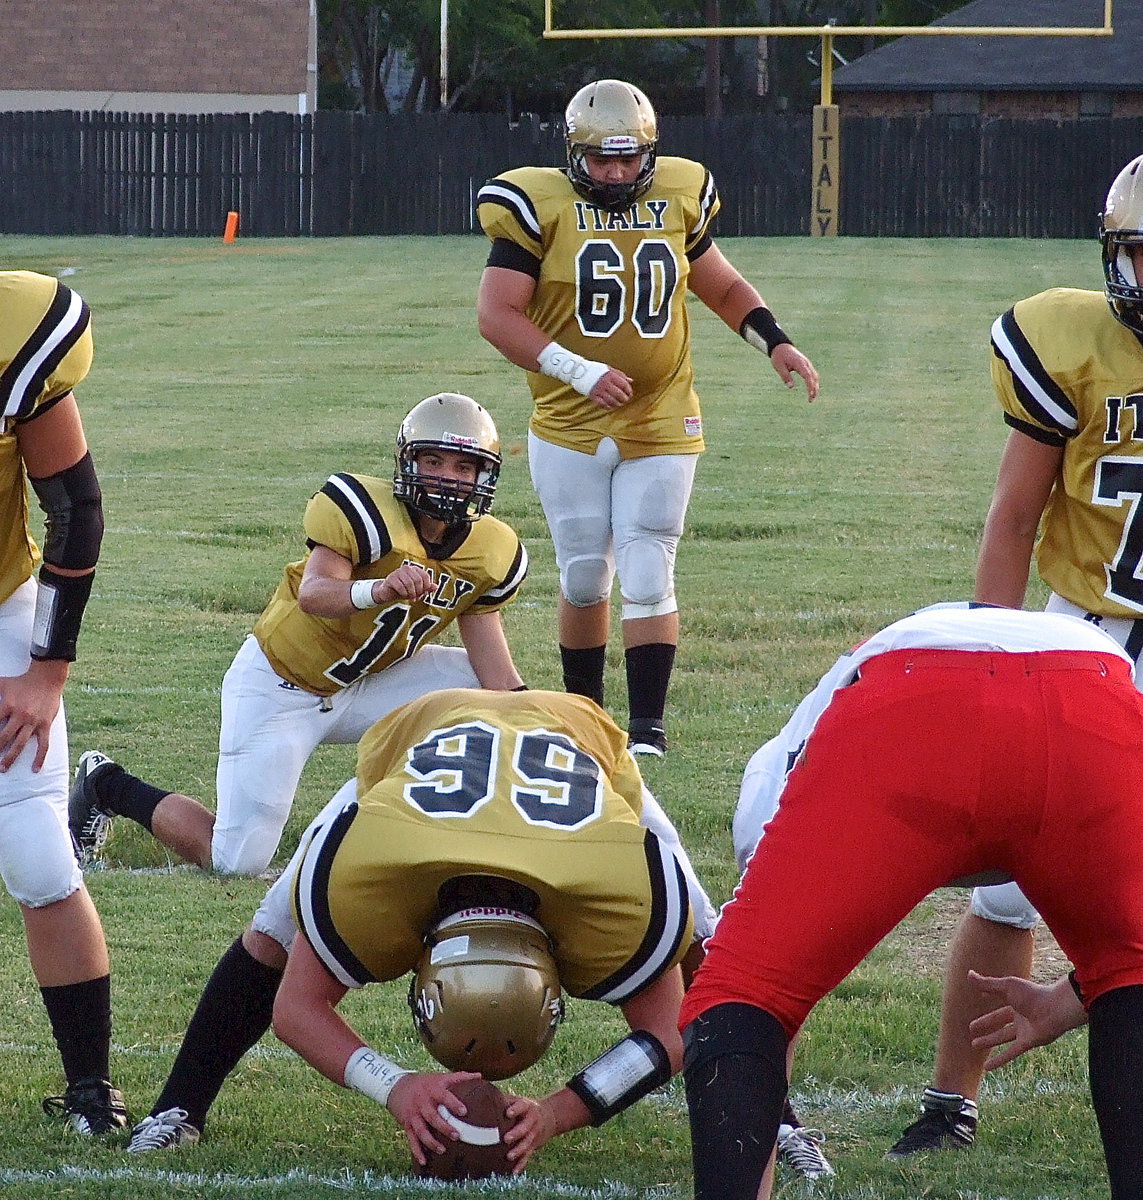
pixel 516 201
pixel 311 902
pixel 670 913
pixel 510 585
pixel 363 515
pixel 22 382
pixel 708 195
pixel 1038 392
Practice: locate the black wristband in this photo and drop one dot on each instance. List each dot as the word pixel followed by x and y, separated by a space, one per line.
pixel 59 612
pixel 760 329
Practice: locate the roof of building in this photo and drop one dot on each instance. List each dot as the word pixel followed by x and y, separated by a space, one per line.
pixel 1009 63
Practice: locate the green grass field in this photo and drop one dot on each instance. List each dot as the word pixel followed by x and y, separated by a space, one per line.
pixel 229 381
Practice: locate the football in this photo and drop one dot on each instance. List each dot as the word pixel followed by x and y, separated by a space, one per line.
pixel 480 1150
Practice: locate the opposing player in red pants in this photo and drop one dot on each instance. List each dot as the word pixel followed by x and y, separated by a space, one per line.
pixel 964 741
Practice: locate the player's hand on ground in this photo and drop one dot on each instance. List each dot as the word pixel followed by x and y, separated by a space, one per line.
pixel 414 1102
pixel 612 390
pixel 410 581
pixel 789 361
pixel 1026 1015
pixel 27 709
pixel 534 1127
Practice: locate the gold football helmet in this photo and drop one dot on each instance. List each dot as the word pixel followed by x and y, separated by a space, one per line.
pixel 447 421
pixel 486 995
pixel 605 118
pixel 1120 226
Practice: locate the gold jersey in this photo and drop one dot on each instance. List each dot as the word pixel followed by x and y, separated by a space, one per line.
pixel 611 287
pixel 537 787
pixel 45 350
pixel 479 569
pixel 1069 374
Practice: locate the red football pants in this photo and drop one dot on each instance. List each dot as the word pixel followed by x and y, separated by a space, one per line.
pixel 934 765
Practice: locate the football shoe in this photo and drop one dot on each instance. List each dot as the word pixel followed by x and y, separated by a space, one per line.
pixel 800 1149
pixel 89 824
pixel 947 1122
pixel 92 1106
pixel 647 736
pixel 166 1130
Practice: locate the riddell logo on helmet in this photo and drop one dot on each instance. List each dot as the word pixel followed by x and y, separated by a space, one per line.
pixel 619 143
pixel 459 439
pixel 473 913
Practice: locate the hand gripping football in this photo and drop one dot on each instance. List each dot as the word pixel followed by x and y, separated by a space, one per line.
pixel 480 1150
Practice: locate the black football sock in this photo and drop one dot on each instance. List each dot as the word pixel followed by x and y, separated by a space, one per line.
pixel 122 794
pixel 1115 1067
pixel 80 1015
pixel 734 1068
pixel 648 675
pixel 583 671
pixel 234 1011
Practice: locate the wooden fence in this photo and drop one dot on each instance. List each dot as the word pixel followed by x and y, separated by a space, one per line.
pixel 335 173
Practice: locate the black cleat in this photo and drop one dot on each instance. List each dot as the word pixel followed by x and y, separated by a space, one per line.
pixel 947 1122
pixel 647 736
pixel 88 823
pixel 92 1106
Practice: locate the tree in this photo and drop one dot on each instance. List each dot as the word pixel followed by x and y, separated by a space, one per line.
pixel 498 60
pixel 356 48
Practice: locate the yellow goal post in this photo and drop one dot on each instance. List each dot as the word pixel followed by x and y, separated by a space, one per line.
pixel 826 125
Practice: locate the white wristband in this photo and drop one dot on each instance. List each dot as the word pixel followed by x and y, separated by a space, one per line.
pixel 361 593
pixel 372 1074
pixel 581 373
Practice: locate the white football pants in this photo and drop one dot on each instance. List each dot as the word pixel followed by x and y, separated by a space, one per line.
pixel 37 860
pixel 607 514
pixel 270 728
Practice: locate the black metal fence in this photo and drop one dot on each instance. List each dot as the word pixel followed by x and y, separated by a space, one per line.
pixel 335 173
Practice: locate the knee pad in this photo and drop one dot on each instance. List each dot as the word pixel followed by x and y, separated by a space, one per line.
pixel 586 581
pixel 251 857
pixel 1005 904
pixel 583 552
pixel 647 575
pixel 247 846
pixel 37 861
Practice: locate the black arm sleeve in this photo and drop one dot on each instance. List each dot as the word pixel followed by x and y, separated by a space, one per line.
pixel 513 257
pixel 73 504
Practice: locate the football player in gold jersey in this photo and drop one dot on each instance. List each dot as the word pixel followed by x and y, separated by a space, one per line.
pixel 1067 366
pixel 585 288
pixel 497 845
pixel 45 351
pixel 347 637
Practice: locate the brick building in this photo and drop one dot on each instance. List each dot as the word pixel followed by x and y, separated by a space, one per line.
pixel 174 56
pixel 1059 77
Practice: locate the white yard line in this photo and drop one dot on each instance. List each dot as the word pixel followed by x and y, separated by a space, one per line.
pixel 347 1181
